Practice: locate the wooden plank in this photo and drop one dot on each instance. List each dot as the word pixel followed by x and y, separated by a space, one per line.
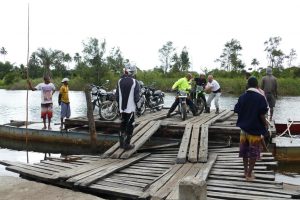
pixel 167 188
pixel 142 172
pixel 192 173
pixel 232 178
pixel 156 147
pixel 126 182
pixel 118 185
pixel 216 166
pixel 137 180
pixel 247 192
pixel 193 150
pixel 84 169
pixel 203 149
pixel 242 170
pixel 29 173
pixel 244 184
pixel 111 169
pixel 206 168
pixel 134 176
pixel 120 151
pixel 183 149
pixel 138 143
pixel 256 187
pixel 116 146
pixel 161 181
pixel 28 168
pixel 270 177
pixel 238 196
pixel 57 163
pixel 123 192
pixel 225 117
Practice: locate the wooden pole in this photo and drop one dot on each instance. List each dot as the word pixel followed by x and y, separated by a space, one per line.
pixel 191 188
pixel 90 116
pixel 27 74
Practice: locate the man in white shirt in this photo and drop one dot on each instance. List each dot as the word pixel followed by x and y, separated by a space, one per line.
pixel 47 90
pixel 215 92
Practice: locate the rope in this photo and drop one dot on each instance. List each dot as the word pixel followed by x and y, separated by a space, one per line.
pixel 27 75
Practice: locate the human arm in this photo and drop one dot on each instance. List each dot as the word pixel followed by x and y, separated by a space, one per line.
pixel 30 85
pixel 136 92
pixel 275 87
pixel 177 83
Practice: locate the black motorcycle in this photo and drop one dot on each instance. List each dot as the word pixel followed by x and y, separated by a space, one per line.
pixel 154 99
pixel 100 95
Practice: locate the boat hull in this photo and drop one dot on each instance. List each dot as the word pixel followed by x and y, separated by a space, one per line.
pixel 287 148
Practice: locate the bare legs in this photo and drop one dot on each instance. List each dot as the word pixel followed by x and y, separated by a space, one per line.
pixel 249 164
pixel 271 113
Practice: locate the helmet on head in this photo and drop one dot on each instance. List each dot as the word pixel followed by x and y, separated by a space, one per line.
pixel 130 69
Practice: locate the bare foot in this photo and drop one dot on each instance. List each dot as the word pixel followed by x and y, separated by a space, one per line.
pixel 49 128
pixel 44 128
pixel 251 177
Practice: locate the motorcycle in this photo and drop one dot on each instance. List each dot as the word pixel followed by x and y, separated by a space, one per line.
pixel 197 99
pixel 98 94
pixel 154 99
pixel 182 107
pixel 109 110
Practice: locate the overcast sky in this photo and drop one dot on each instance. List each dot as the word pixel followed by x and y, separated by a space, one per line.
pixel 141 27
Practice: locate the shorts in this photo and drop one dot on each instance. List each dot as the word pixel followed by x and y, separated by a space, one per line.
pixel 271 100
pixel 47 110
pixel 249 145
pixel 65 110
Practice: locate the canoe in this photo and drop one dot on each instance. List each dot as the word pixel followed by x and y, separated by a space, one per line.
pixel 72 141
pixel 294 127
pixel 287 141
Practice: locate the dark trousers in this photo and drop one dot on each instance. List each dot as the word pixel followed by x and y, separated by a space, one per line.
pixel 201 95
pixel 189 103
pixel 127 126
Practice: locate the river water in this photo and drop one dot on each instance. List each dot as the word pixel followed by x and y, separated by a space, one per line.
pixel 13 107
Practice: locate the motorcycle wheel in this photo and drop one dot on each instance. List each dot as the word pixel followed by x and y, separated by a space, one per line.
pixel 160 102
pixel 183 111
pixel 143 108
pixel 108 111
pixel 200 105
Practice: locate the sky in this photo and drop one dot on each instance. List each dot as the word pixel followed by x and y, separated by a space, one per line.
pixel 141 27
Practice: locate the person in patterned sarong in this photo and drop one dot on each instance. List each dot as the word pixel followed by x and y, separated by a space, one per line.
pixel 251 109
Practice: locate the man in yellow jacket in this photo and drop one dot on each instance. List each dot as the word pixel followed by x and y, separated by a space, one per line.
pixel 183 84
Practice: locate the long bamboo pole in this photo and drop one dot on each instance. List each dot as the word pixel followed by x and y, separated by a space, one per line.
pixel 27 74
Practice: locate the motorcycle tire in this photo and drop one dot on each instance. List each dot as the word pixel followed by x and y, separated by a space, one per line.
pixel 108 111
pixel 200 105
pixel 183 111
pixel 159 102
pixel 143 108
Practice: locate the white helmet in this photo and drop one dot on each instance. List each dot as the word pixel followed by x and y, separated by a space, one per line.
pixel 130 69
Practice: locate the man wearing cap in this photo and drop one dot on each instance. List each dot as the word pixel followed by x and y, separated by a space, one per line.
pixel 269 86
pixel 64 102
pixel 251 109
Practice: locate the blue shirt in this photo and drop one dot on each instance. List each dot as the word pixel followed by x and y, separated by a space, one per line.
pixel 249 108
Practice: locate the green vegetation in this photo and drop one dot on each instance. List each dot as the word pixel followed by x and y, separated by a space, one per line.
pixel 95 65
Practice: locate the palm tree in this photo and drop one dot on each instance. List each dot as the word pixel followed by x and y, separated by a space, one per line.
pixel 254 63
pixel 48 58
pixel 3 52
pixel 77 58
pixel 67 58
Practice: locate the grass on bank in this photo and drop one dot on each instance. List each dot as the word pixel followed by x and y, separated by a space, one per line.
pixel 233 86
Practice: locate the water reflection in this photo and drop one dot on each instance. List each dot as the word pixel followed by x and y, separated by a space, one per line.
pixel 19 156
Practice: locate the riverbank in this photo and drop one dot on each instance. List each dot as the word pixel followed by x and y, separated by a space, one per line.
pixel 232 86
pixel 21 189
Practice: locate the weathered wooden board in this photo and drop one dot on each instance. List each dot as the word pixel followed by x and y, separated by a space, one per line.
pixel 109 170
pixel 138 143
pixel 117 145
pixel 203 149
pixel 194 142
pixel 185 141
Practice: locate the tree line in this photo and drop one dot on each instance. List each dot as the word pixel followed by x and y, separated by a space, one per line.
pixel 95 64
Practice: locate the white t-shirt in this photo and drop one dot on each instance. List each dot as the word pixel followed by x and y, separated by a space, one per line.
pixel 214 85
pixel 46 93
